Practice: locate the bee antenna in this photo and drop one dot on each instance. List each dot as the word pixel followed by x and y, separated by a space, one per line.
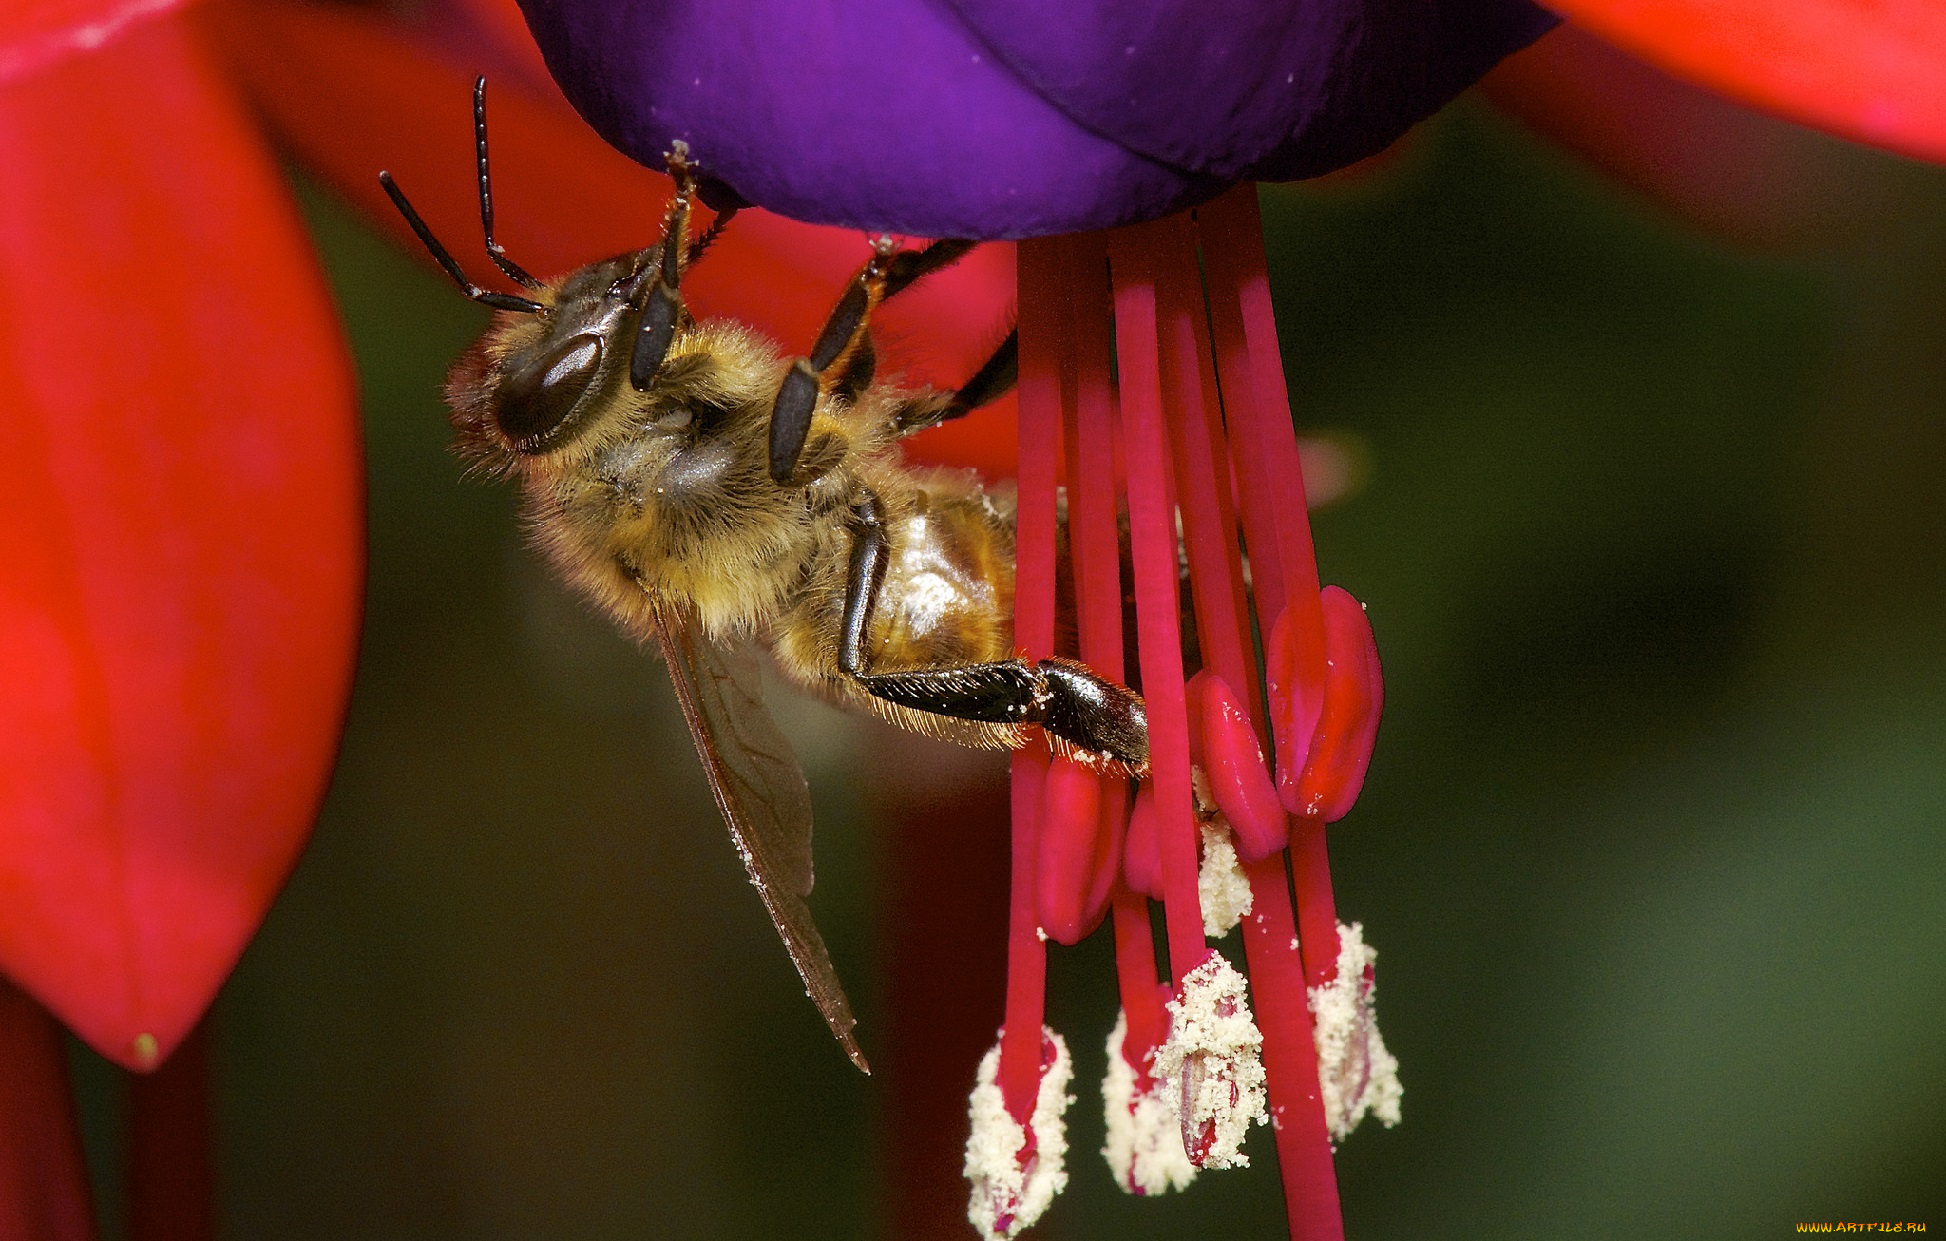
pixel 486 297
pixel 515 271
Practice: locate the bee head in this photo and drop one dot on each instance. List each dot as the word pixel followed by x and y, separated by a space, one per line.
pixel 552 362
pixel 538 379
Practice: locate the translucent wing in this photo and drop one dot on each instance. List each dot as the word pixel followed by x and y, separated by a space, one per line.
pixel 761 791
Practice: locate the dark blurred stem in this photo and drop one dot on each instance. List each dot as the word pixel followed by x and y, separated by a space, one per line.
pixel 1868 581
pixel 43 1180
pixel 171 1175
pixel 946 912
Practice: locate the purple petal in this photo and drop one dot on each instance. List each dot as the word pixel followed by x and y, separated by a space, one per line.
pixel 1269 90
pixel 989 118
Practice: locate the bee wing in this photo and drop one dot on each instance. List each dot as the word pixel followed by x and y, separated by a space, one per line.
pixel 765 801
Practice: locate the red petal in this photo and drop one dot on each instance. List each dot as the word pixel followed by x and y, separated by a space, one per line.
pixel 181 540
pixel 1739 173
pixel 351 94
pixel 1867 71
pixel 36 33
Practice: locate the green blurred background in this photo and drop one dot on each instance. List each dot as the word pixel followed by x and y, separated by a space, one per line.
pixel 1653 535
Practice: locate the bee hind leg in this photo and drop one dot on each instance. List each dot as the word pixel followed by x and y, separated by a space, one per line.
pixel 1086 716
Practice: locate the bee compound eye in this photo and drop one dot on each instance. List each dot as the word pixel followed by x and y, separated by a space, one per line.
pixel 538 394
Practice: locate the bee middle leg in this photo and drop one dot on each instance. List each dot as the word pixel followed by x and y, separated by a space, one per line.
pixel 993 380
pixel 1087 716
pixel 842 359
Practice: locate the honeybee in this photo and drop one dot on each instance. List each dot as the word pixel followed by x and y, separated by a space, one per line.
pixel 713 496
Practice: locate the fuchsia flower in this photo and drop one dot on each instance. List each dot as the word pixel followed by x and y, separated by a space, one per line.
pixel 183 537
pixel 1867 72
pixel 1002 119
pixel 1020 121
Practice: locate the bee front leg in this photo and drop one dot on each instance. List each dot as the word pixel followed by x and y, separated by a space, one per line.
pixel 1085 715
pixel 663 312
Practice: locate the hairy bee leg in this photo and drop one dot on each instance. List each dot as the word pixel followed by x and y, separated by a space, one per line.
pixel 810 378
pixel 664 310
pixel 1088 717
pixel 993 380
pixel 1093 719
pixel 708 236
pixel 911 266
pixel 842 359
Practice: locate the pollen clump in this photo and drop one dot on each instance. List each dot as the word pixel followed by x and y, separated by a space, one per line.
pixel 1214 1054
pixel 1221 884
pixel 1016 1172
pixel 1356 1074
pixel 1144 1147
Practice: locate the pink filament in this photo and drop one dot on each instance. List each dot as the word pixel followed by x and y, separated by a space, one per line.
pixel 1211 441
pixel 1134 253
pixel 1205 460
pixel 1041 326
pixel 1094 537
pixel 1144 995
pixel 1271 481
